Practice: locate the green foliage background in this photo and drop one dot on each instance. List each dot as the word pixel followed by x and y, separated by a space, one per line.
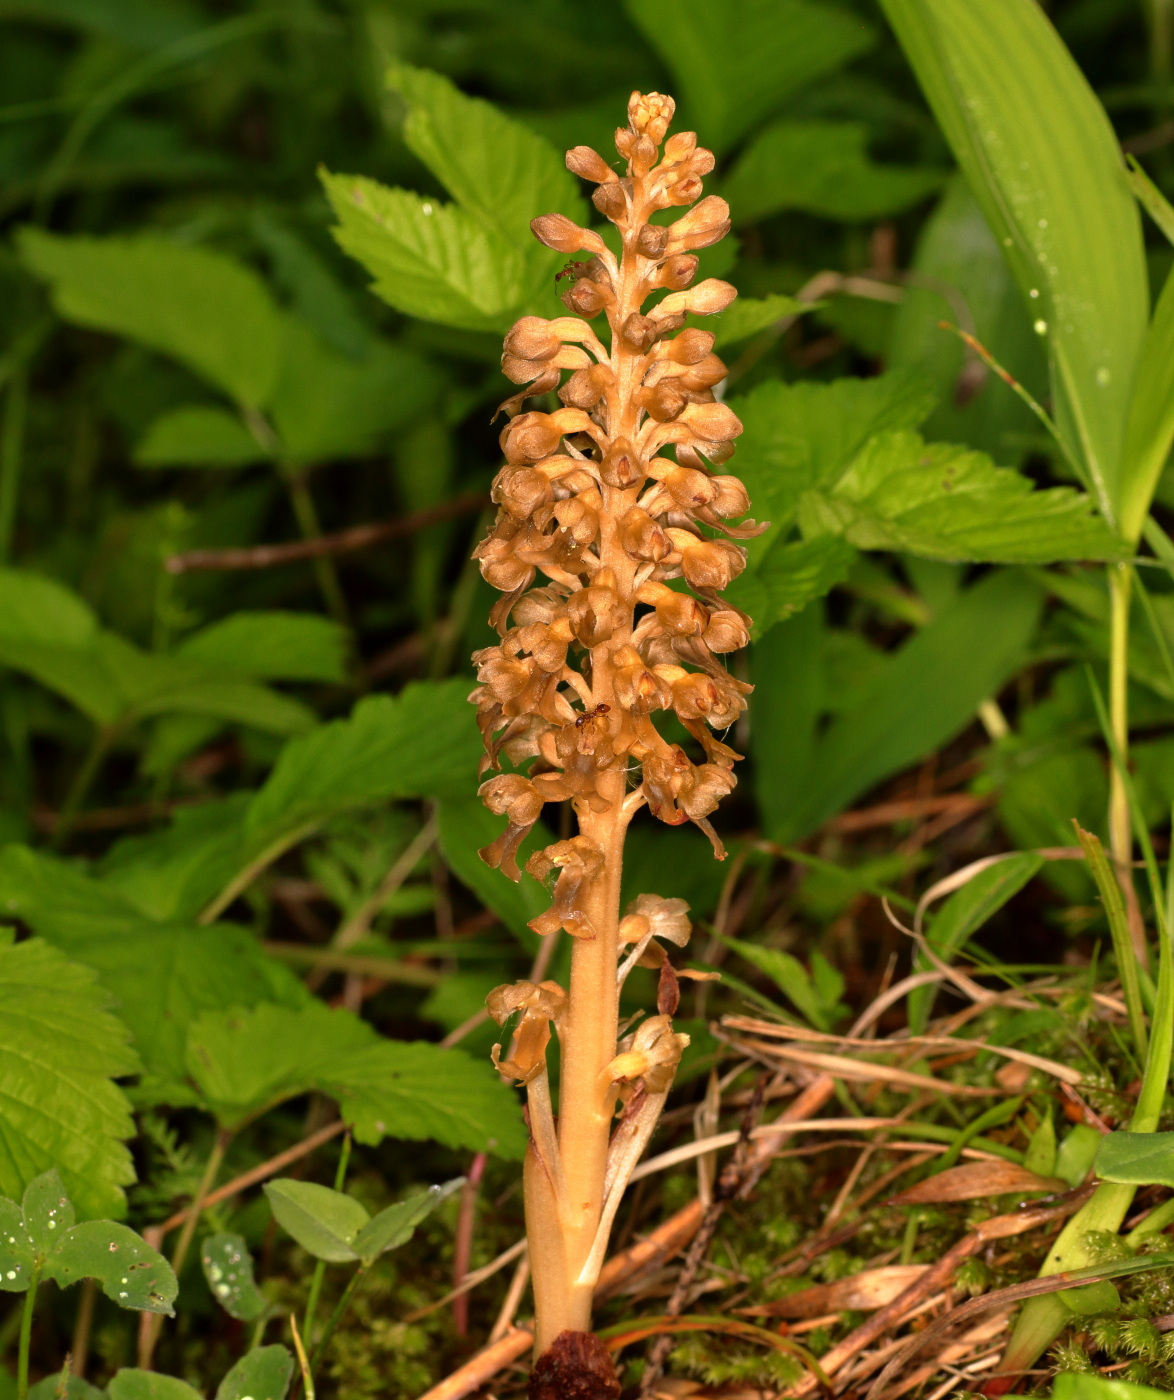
pixel 255 267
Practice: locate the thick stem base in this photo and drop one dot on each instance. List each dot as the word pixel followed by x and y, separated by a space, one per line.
pixel 577 1366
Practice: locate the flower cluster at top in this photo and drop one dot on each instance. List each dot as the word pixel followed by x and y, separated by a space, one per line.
pixel 588 500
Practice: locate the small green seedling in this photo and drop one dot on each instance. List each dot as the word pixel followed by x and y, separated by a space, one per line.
pixel 336 1229
pixel 39 1240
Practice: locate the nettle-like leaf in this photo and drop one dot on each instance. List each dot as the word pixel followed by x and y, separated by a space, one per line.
pixel 334 1227
pixel 749 315
pixel 195 305
pixel 821 168
pixel 49 633
pixel 160 975
pixel 228 1270
pixel 40 1238
pixel 244 1062
pixel 65 1386
pixel 472 264
pixel 218 318
pixel 419 743
pixel 59 1105
pixel 261 1374
pixel 735 64
pixel 941 501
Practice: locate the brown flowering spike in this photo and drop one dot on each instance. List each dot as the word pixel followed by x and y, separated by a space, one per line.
pixel 615 535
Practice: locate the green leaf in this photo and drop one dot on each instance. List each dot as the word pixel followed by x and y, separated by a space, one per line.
pixel 799 436
pixel 47 1211
pixel 789 576
pixel 422 742
pixel 1071 1385
pixel 790 977
pixel 325 1223
pixel 271 646
pixel 327 405
pixel 261 1374
pixel 200 307
pixel 17 1255
pixel 749 315
pixel 1136 1159
pixel 228 1270
pixel 397 1224
pixel 962 915
pixel 821 168
pixel 199 437
pixel 132 1384
pixel 1014 106
pixel 67 1387
pixel 246 1061
pixel 1151 199
pixel 47 632
pixel 1149 428
pixel 59 1106
pixel 161 975
pixel 941 501
pixel 497 170
pixel 131 1273
pixel 171 873
pixel 915 701
pixel 962 278
pixel 736 63
pixel 429 259
pixel 465 828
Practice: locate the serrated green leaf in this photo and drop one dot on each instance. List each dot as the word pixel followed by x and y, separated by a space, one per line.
pixel 228 1271
pixel 1137 1159
pixel 798 436
pixel 429 259
pixel 271 646
pixel 162 975
pixel 1014 105
pixel 245 1061
pixel 325 1223
pixel 261 1374
pixel 59 1106
pixel 821 168
pixel 736 64
pixel 132 1384
pixel 397 1224
pixel 497 170
pixel 171 873
pixel 789 576
pixel 203 308
pixel 941 501
pixel 421 742
pixel 199 436
pixel 749 315
pixel 46 1210
pixel 131 1273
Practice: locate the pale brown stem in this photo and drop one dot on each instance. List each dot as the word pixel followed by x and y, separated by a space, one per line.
pixel 589 1031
